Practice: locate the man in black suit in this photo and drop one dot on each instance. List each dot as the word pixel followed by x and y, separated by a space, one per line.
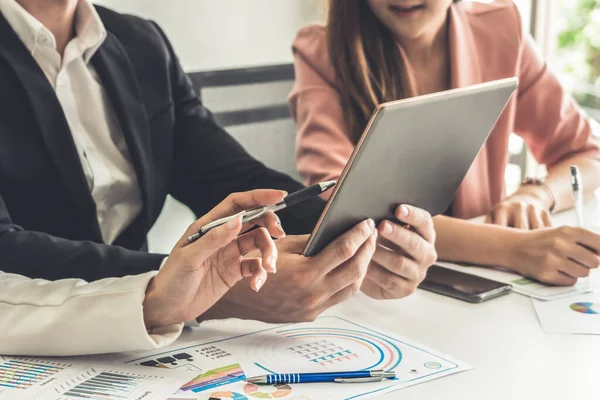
pixel 99 124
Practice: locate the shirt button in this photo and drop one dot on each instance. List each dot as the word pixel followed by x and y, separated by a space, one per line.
pixel 43 39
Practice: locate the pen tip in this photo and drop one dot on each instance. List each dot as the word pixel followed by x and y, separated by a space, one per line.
pixel 327 185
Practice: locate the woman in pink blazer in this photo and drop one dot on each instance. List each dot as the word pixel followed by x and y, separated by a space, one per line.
pixel 375 51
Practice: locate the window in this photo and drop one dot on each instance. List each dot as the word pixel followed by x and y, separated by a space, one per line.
pixel 575 33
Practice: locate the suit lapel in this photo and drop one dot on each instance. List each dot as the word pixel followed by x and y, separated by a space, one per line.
pixel 118 78
pixel 49 115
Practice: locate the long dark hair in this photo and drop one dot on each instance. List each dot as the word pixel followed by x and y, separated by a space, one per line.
pixel 365 59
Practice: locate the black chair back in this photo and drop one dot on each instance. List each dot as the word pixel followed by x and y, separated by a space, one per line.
pixel 251 103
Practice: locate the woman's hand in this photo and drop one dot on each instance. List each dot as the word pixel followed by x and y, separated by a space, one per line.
pixel 556 256
pixel 403 255
pixel 198 274
pixel 522 211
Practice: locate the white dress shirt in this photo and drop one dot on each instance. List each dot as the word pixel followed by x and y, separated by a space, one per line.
pixel 92 120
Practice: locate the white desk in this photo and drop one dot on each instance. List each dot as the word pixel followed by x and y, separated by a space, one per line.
pixel 502 339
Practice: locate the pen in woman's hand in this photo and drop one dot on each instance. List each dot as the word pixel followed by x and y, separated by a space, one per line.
pixel 249 215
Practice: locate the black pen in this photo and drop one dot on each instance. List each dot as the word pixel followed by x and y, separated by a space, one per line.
pixel 249 215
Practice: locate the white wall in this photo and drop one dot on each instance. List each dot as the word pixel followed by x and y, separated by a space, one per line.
pixel 217 34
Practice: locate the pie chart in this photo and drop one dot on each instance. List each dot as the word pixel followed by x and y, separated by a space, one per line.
pixel 586 308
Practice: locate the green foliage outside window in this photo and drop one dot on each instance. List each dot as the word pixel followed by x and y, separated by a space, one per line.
pixel 579 48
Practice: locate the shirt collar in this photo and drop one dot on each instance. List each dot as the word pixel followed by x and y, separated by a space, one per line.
pixel 89 28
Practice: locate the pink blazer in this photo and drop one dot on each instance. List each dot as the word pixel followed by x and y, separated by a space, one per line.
pixel 486 43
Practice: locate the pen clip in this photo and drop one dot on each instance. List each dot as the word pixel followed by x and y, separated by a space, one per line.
pixel 255 213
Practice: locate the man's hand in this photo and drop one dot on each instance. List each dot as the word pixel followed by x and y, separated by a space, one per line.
pixel 197 274
pixel 403 255
pixel 304 287
pixel 522 210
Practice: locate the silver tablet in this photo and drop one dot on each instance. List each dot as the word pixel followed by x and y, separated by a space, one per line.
pixel 415 151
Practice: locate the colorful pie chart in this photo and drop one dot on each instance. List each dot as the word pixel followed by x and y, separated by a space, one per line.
pixel 586 308
pixel 269 392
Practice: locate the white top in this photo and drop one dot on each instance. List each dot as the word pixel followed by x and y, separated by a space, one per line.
pixel 71 316
pixel 92 120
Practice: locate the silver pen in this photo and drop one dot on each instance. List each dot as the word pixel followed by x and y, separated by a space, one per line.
pixel 249 215
pixel 577 186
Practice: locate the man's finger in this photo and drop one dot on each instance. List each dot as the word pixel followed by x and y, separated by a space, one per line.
pixel 353 270
pixel 410 242
pixel 419 219
pixel 393 285
pixel 397 265
pixel 339 297
pixel 344 247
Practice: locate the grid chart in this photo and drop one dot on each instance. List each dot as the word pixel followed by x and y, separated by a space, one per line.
pixel 323 352
pixel 22 373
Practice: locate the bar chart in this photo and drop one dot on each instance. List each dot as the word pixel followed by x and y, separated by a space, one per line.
pixel 68 379
pixel 105 385
pixel 23 373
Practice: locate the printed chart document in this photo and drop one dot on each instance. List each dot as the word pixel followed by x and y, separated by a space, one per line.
pixel 530 287
pixel 326 345
pixel 576 314
pixel 23 378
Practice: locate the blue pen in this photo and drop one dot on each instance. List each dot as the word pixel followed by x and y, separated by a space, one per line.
pixel 376 375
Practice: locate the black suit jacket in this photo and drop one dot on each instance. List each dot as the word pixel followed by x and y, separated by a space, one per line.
pixel 48 223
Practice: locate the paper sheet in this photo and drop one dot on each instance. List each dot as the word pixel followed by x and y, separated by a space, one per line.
pixel 576 314
pixel 23 378
pixel 328 344
pixel 530 287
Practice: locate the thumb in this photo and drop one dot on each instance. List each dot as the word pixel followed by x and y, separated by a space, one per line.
pixel 214 240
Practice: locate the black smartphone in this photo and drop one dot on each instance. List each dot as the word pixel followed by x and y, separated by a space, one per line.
pixel 463 286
